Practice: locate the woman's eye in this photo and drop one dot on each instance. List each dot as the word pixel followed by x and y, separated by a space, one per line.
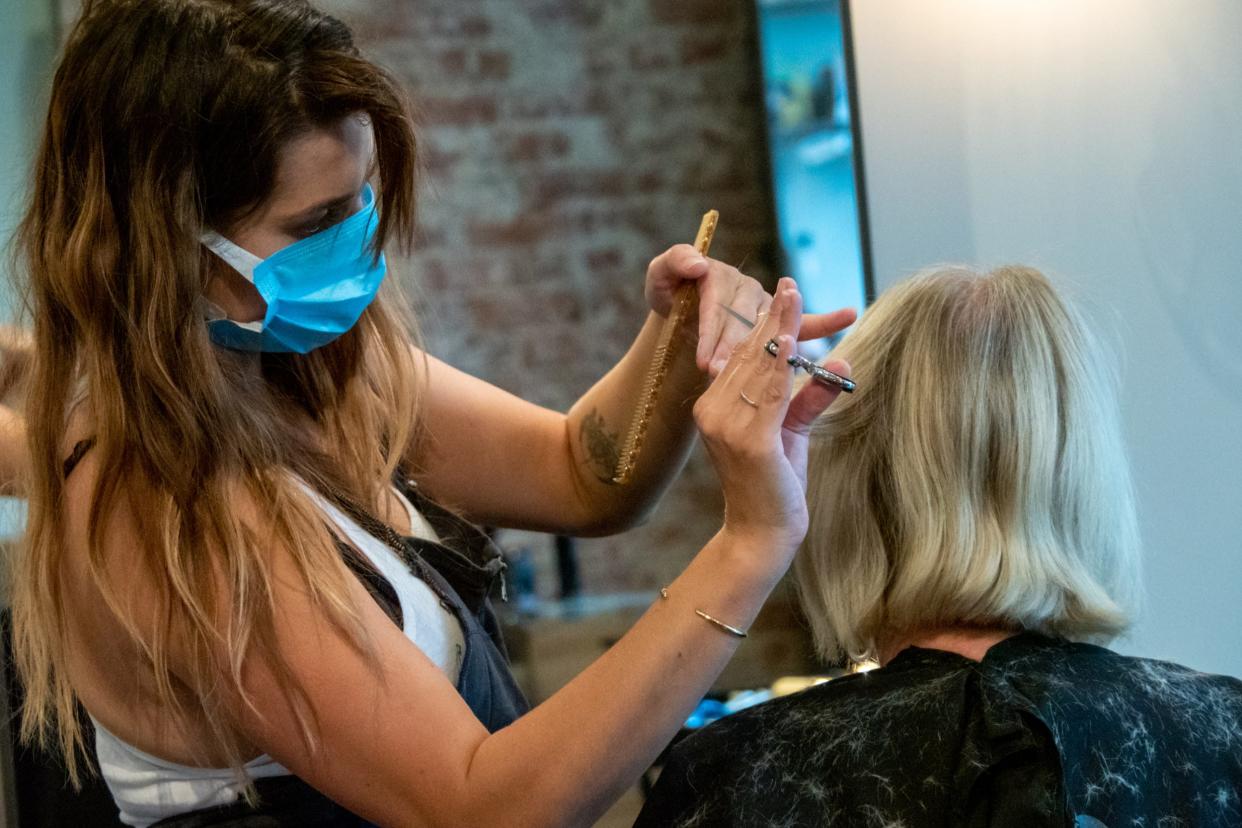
pixel 334 216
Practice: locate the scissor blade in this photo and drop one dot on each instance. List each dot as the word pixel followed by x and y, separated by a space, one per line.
pixel 748 323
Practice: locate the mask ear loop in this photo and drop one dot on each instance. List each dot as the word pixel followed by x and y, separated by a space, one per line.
pixel 241 260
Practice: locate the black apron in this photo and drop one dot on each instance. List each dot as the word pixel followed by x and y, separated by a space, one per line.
pixel 462 570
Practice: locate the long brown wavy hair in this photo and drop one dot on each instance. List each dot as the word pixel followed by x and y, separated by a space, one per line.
pixel 165 118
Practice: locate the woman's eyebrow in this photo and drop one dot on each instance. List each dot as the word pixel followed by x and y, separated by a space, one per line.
pixel 310 212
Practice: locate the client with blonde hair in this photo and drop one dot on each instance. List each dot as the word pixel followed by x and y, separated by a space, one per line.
pixel 972 529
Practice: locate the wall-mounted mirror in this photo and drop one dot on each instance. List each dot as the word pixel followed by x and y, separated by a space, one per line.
pixel 815 147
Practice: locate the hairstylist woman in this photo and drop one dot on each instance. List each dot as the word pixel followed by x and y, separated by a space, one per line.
pixel 228 560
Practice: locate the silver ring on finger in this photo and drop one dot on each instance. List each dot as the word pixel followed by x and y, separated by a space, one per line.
pixel 772 347
pixel 748 400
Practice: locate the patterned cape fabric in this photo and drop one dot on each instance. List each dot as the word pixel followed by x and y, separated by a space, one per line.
pixel 1042 732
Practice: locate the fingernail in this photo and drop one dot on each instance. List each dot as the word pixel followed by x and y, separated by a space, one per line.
pixel 717 367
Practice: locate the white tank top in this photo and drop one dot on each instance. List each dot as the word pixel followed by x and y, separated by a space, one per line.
pixel 147 789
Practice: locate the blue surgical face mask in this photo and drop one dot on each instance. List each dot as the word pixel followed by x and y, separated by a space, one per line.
pixel 315 289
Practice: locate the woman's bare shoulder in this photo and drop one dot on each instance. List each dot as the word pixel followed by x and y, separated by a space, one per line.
pixel 103 585
pixel 104 661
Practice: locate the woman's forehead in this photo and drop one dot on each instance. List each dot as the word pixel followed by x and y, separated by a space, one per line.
pixel 321 165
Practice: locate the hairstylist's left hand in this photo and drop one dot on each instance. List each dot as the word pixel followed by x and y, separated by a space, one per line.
pixel 719 284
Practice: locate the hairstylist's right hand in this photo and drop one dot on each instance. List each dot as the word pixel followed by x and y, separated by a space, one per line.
pixel 757 435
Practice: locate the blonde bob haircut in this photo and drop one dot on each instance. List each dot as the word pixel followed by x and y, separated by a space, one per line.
pixel 976 478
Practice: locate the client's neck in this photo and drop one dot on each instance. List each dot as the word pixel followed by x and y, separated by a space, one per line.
pixel 971 642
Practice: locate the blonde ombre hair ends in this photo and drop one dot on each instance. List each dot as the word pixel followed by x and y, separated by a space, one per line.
pixel 976 478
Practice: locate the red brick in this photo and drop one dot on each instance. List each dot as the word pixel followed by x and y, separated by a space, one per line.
pixel 698 49
pixel 726 177
pixel 609 258
pixel 473 26
pixel 558 304
pixel 650 181
pixel 585 13
pixel 600 64
pixel 523 230
pixel 558 185
pixel 537 146
pixel 557 103
pixel 529 270
pixel 466 111
pixel 453 62
pixel 595 216
pixel 433 275
pixel 489 312
pixel 494 65
pixel 693 11
pixel 435 160
pixel 648 56
pixel 429 237
pixel 400 19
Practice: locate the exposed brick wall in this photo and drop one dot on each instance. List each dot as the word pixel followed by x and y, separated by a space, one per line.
pixel 566 142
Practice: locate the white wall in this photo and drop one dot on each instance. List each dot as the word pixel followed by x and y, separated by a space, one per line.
pixel 1100 140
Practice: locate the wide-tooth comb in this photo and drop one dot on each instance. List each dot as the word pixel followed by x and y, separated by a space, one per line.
pixel 685 306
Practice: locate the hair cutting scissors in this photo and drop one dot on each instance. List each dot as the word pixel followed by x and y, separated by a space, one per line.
pixel 797 360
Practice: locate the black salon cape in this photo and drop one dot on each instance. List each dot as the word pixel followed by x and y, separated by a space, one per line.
pixel 1042 732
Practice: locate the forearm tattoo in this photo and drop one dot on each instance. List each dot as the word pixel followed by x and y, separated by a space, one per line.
pixel 601 446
